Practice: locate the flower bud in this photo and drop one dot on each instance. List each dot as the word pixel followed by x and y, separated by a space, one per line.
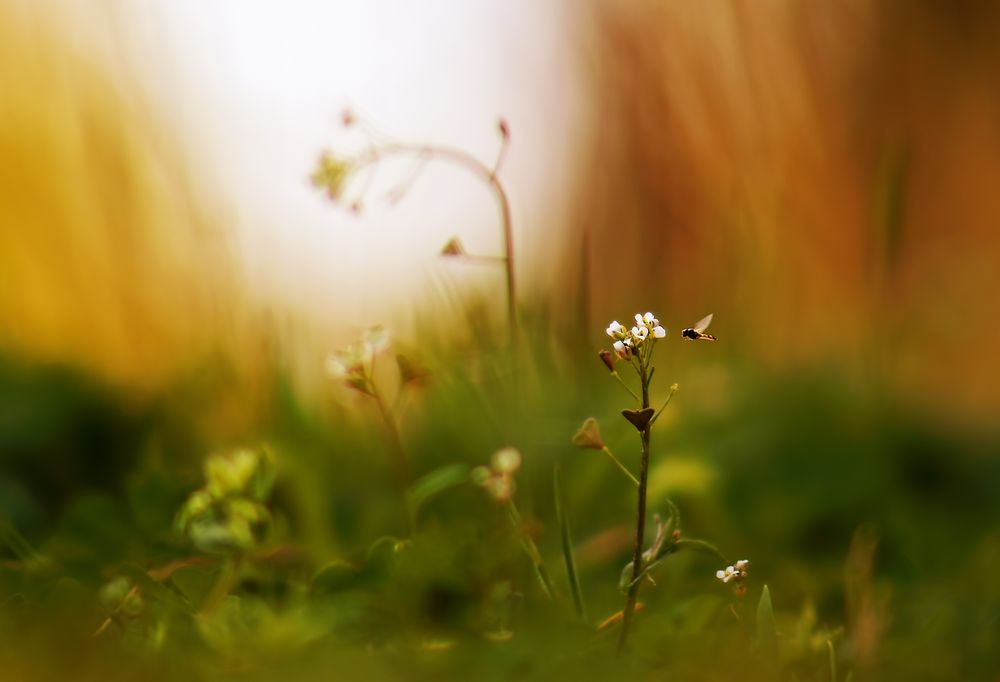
pixel 453 248
pixel 607 359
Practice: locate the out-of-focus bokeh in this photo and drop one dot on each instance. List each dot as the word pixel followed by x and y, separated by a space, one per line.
pixel 821 177
pixel 820 173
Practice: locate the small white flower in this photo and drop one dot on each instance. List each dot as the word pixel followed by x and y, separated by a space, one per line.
pixel 659 332
pixel 376 339
pixel 735 573
pixel 650 320
pixel 506 461
pixel 335 366
pixel 615 330
pixel 640 333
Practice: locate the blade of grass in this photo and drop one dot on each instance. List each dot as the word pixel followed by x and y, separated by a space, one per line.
pixel 833 661
pixel 531 549
pixel 767 636
pixel 567 548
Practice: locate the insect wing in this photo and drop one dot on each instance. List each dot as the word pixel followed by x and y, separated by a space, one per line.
pixel 703 323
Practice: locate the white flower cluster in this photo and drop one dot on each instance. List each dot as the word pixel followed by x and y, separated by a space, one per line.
pixel 628 341
pixel 350 364
pixel 735 573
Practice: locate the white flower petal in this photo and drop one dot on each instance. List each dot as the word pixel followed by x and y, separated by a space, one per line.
pixel 659 332
pixel 376 339
pixel 336 367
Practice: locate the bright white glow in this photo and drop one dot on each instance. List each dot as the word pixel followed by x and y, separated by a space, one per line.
pixel 257 88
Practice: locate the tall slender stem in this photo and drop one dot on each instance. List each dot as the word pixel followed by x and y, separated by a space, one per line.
pixel 401 464
pixel 640 522
pixel 531 549
pixel 489 176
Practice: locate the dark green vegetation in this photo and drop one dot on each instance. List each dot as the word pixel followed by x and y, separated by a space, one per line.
pixel 874 529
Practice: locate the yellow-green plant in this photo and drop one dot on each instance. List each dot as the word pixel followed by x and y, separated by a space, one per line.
pixel 227 515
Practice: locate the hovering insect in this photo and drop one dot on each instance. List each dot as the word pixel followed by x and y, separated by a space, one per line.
pixel 697 333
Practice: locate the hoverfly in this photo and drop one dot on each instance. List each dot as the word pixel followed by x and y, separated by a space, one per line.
pixel 697 333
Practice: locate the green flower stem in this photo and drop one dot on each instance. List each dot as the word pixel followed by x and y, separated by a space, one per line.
pixel 488 176
pixel 228 573
pixel 622 382
pixel 621 466
pixel 400 463
pixel 640 522
pixel 673 389
pixel 531 549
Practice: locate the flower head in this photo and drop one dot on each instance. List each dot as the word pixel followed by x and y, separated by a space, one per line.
pixel 376 339
pixel 351 364
pixel 646 320
pixel 735 574
pixel 616 331
pixel 629 341
pixel 498 478
pixel 623 349
pixel 330 175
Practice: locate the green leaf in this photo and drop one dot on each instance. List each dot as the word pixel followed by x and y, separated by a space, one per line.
pixel 625 579
pixel 264 476
pixel 194 583
pixel 434 483
pixel 336 576
pixel 381 555
pixel 21 548
pixel 152 588
pixel 767 634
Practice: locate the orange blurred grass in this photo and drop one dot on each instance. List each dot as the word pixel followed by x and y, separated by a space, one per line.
pixel 821 176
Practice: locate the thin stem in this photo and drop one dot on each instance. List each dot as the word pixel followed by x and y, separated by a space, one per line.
pixel 567 546
pixel 477 258
pixel 228 573
pixel 489 176
pixel 673 389
pixel 531 549
pixel 640 522
pixel 616 375
pixel 621 466
pixel 401 465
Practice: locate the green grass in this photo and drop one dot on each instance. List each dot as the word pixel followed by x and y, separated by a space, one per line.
pixel 872 527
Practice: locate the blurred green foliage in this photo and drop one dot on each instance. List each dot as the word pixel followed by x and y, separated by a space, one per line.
pixel 874 528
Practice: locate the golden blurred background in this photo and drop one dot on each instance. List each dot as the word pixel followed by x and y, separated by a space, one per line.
pixel 820 176
pixel 109 253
